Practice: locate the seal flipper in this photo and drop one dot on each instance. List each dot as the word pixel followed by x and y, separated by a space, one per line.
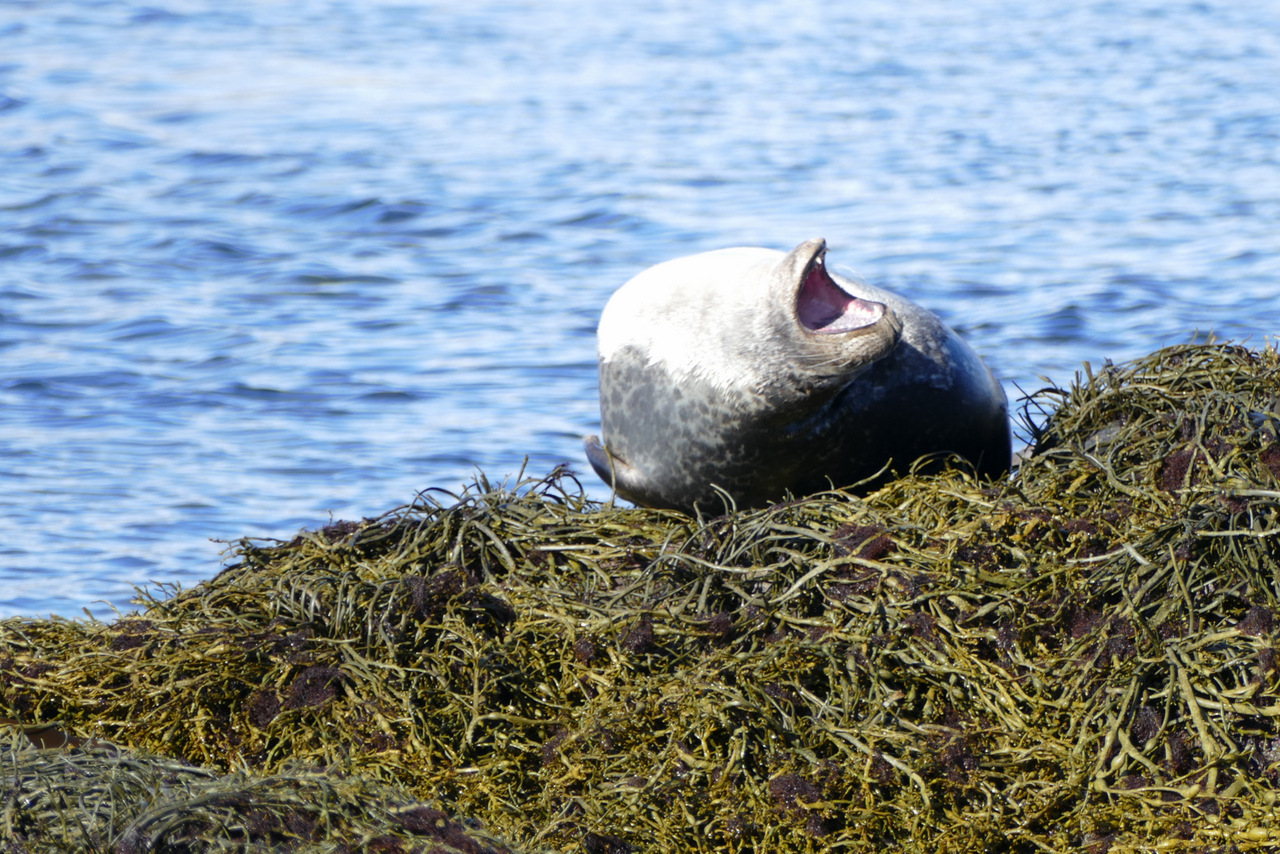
pixel 612 469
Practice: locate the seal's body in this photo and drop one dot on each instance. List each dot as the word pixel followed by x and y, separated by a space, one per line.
pixel 759 373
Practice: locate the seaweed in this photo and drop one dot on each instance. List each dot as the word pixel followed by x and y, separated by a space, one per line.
pixel 1080 657
pixel 101 798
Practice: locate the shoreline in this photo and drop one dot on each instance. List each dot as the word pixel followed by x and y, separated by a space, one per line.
pixel 1082 657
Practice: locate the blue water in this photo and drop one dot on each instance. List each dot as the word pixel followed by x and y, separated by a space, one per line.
pixel 263 264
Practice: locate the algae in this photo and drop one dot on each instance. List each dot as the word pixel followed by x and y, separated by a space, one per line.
pixel 100 798
pixel 1081 657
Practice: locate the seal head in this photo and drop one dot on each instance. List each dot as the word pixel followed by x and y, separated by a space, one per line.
pixel 757 373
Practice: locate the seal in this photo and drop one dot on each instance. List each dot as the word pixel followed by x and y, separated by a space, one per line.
pixel 752 373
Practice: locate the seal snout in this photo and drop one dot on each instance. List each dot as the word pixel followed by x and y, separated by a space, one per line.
pixel 824 307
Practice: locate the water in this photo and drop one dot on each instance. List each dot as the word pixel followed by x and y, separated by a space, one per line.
pixel 266 264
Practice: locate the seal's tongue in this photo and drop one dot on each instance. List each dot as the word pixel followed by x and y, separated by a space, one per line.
pixel 822 306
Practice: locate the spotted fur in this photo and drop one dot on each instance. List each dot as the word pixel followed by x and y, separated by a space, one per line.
pixel 708 381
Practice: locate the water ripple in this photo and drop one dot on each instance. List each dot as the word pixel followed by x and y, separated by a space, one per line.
pixel 260 263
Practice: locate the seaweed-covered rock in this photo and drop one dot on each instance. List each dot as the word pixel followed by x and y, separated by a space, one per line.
pixel 100 798
pixel 1082 657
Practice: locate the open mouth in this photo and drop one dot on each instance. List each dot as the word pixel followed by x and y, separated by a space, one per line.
pixel 822 306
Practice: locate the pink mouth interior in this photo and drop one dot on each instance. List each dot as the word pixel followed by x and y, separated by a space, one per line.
pixel 822 306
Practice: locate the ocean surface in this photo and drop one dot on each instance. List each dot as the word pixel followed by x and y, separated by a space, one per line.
pixel 268 264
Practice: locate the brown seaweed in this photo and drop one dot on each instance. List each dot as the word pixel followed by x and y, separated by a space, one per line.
pixel 1082 657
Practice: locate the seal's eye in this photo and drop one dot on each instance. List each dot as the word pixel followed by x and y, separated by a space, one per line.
pixel 822 306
